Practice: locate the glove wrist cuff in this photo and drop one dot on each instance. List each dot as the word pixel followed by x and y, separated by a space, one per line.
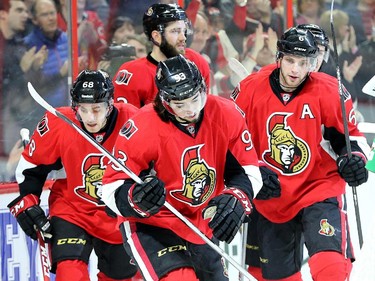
pixel 19 205
pixel 242 197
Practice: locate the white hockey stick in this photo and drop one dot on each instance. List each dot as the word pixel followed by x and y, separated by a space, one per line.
pixel 238 68
pixel 127 171
pixel 44 257
pixel 369 88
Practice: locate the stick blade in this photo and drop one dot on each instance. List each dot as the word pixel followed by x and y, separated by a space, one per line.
pixel 369 88
pixel 39 99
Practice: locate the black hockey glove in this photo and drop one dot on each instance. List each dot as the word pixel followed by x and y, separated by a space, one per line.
pixel 29 214
pixel 147 198
pixel 271 184
pixel 227 212
pixel 352 170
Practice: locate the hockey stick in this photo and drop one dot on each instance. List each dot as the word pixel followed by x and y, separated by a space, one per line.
pixel 244 242
pixel 44 258
pixel 369 87
pixel 238 68
pixel 127 171
pixel 346 128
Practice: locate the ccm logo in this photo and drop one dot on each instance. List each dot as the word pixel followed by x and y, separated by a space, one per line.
pixel 172 249
pixel 17 208
pixel 71 241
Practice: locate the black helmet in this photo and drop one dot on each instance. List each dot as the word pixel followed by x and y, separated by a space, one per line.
pixel 158 15
pixel 178 78
pixel 299 42
pixel 92 86
pixel 319 34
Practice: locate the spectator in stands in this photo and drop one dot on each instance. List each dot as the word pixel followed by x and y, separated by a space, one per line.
pixel 309 11
pixel 141 44
pixel 131 47
pixel 259 49
pixel 119 29
pixel 361 17
pixel 367 69
pixel 51 79
pixel 101 7
pixel 91 32
pixel 201 32
pixel 349 58
pixel 247 15
pixel 15 62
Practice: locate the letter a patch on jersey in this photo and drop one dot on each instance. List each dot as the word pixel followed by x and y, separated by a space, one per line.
pixel 123 77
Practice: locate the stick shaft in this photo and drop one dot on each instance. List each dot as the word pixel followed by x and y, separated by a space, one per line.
pixel 346 128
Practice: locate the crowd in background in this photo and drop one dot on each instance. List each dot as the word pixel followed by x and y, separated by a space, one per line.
pixel 34 47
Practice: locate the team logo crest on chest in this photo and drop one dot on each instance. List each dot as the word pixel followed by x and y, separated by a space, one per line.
pixel 287 153
pixel 92 175
pixel 199 178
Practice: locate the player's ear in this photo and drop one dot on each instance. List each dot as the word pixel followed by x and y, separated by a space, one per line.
pixel 156 36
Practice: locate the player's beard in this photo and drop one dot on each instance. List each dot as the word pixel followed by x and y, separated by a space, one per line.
pixel 168 50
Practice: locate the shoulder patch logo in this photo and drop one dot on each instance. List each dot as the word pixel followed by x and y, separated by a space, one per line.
pixel 123 77
pixel 42 127
pixel 128 129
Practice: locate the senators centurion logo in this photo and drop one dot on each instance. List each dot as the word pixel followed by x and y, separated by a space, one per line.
pixel 92 174
pixel 199 178
pixel 287 153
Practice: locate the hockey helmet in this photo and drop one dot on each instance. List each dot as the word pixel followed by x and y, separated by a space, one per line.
pixel 178 78
pixel 299 42
pixel 320 37
pixel 319 34
pixel 158 15
pixel 92 86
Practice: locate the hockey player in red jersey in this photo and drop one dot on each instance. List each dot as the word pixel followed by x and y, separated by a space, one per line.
pixel 296 121
pixel 77 218
pixel 193 150
pixel 167 27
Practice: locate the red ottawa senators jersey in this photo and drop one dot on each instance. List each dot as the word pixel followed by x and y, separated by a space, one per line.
pixel 77 198
pixel 192 168
pixel 288 136
pixel 135 80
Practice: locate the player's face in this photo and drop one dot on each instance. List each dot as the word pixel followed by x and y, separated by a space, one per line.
pixel 293 71
pixel 17 16
pixel 93 115
pixel 174 35
pixel 188 109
